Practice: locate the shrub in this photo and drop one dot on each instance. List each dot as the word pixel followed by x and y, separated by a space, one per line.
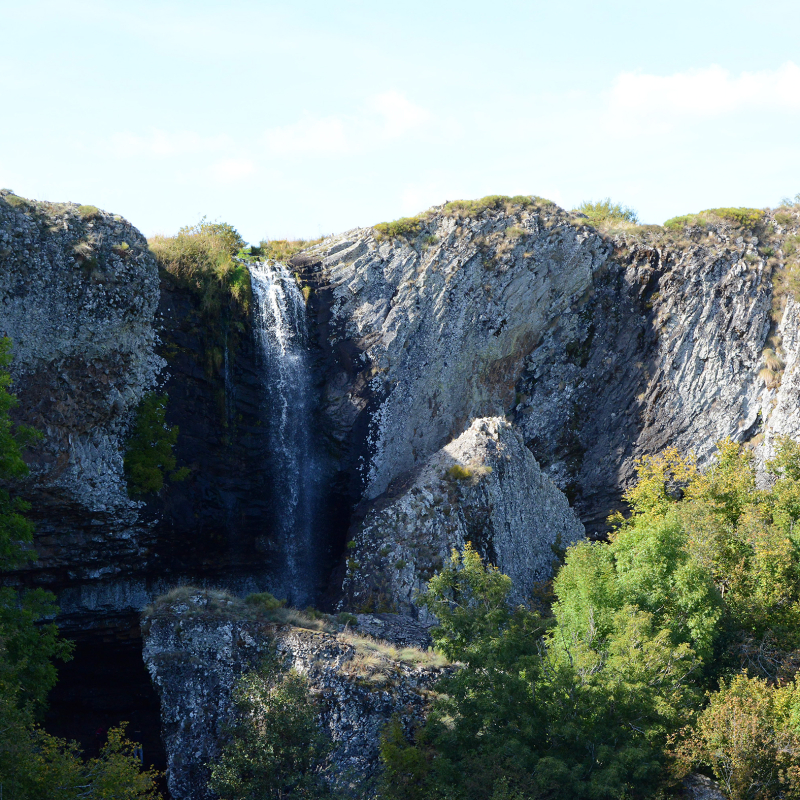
pixel 459 473
pixel 89 212
pixel 406 227
pixel 264 600
pixel 279 249
pixel 275 748
pixel 783 218
pixel 149 458
pixel 201 257
pixel 604 211
pixel 740 217
pixel 16 202
pixel 493 202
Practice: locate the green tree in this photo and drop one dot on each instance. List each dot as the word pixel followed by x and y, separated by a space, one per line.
pixel 275 747
pixel 149 456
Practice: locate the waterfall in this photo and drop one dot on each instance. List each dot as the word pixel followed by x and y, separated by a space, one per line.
pixel 280 327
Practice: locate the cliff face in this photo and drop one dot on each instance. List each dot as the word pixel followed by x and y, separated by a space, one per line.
pixel 484 487
pixel 196 646
pixel 600 349
pixel 78 296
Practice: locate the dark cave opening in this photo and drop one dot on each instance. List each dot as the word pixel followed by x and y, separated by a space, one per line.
pixel 105 684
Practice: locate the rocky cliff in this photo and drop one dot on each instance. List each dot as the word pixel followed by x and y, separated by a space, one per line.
pixel 484 487
pixel 599 348
pixel 197 643
pixel 78 297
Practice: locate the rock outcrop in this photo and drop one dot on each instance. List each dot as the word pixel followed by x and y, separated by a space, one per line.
pixel 196 644
pixel 484 487
pixel 78 297
pixel 601 349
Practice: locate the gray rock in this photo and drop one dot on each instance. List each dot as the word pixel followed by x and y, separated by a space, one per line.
pixel 484 487
pixel 196 647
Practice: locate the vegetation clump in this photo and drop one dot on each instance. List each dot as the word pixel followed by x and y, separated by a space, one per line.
pixel 747 218
pixel 673 648
pixel 458 472
pixel 88 213
pixel 202 257
pixel 278 249
pixel 604 212
pixel 493 202
pixel 149 456
pixel 274 748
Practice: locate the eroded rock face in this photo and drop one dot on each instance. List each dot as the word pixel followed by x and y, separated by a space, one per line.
pixel 484 487
pixel 78 295
pixel 601 349
pixel 443 325
pixel 195 655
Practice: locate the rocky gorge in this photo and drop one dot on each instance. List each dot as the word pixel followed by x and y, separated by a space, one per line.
pixel 487 372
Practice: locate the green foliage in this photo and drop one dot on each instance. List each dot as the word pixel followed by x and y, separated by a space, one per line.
pixel 27 647
pixel 201 257
pixel 16 533
pixel 673 647
pixel 741 217
pixel 605 212
pixel 411 227
pixel 89 212
pixel 16 202
pixel 492 202
pixel 748 736
pixel 149 459
pixel 35 765
pixel 275 748
pixel 265 601
pixel 406 227
pixel 279 249
pixel 458 472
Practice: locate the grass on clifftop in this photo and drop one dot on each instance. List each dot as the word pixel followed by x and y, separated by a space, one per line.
pixel 191 601
pixel 410 227
pixel 201 258
pixel 741 217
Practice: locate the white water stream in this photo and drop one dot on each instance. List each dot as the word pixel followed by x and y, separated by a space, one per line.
pixel 280 327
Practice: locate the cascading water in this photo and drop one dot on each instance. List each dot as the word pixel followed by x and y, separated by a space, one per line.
pixel 280 325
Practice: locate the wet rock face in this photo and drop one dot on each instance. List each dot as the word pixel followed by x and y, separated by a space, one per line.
pixel 195 656
pixel 486 488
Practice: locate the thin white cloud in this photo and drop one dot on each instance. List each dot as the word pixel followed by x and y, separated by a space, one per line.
pixel 399 114
pixel 319 136
pixel 232 170
pixel 166 143
pixel 385 117
pixel 705 93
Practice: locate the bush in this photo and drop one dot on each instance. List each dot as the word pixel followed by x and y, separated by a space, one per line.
pixel 740 217
pixel 492 202
pixel 274 748
pixel 89 212
pixel 149 459
pixel 202 258
pixel 406 227
pixel 265 601
pixel 279 249
pixel 459 473
pixel 604 211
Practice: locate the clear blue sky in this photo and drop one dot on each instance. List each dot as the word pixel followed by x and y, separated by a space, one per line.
pixel 300 118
